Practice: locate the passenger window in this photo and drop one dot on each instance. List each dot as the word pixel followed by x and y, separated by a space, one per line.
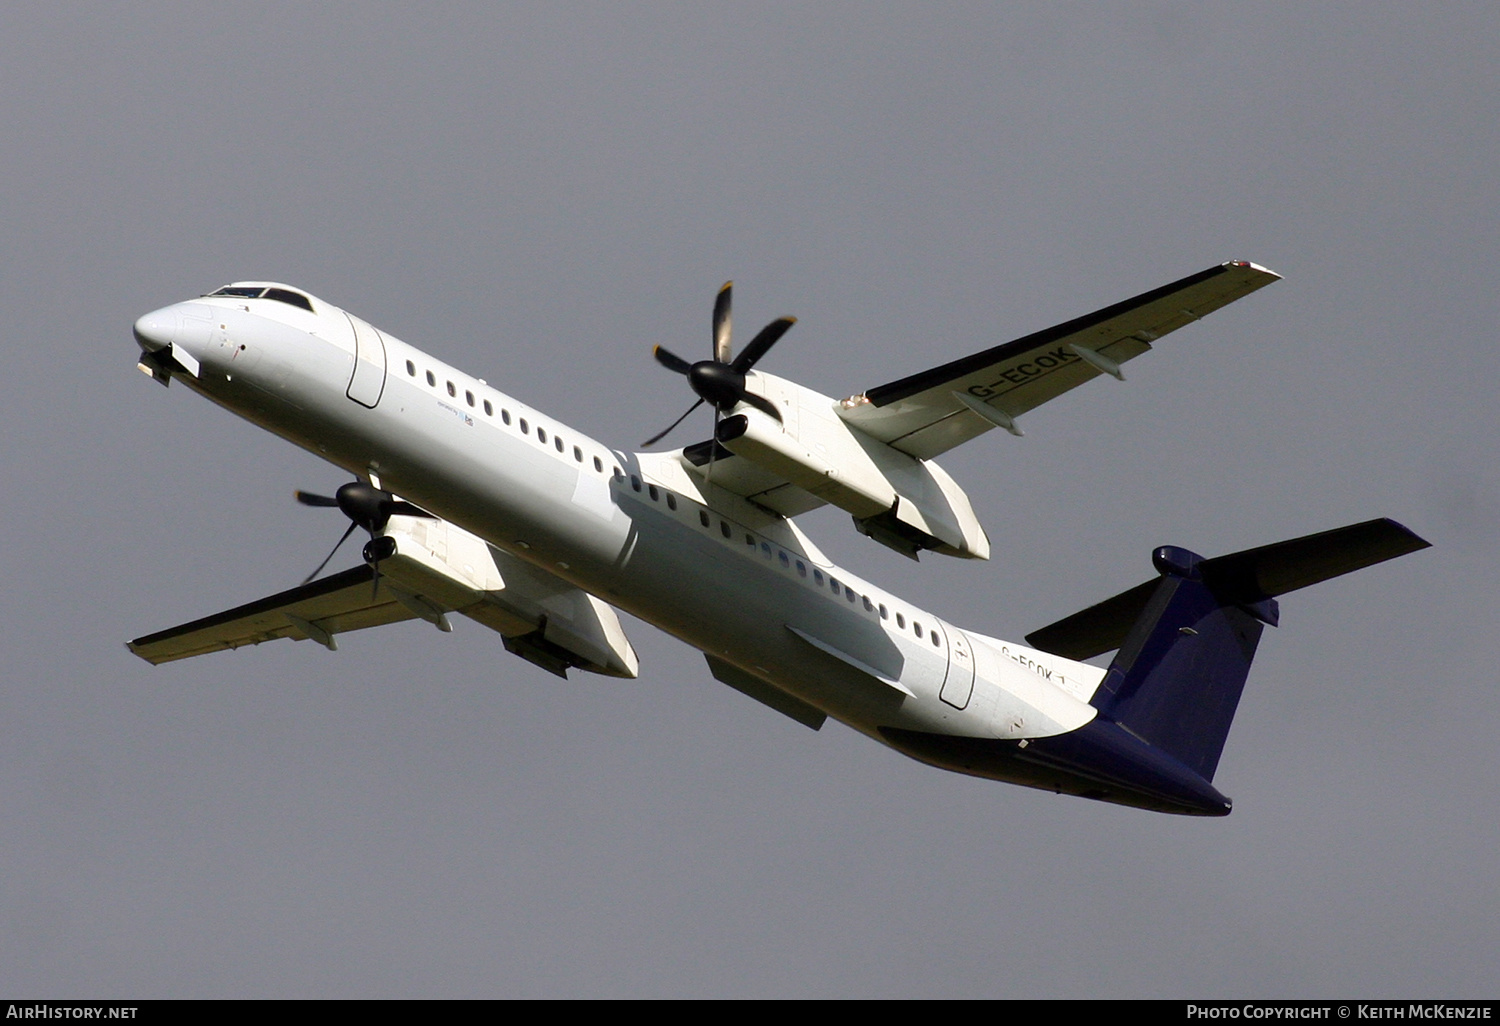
pixel 541 435
pixel 578 455
pixel 885 614
pixel 489 410
pixel 750 539
pixel 765 549
pixel 801 568
pixel 833 584
pixel 619 474
pixel 869 606
pixel 818 578
pixel 723 528
pixel 786 560
pixel 431 378
pixel 598 465
pixel 635 483
pixel 937 642
pixel 671 501
pixel 557 441
pixel 703 517
pixel 848 593
pixel 452 391
pixel 469 398
pixel 411 369
pixel 916 628
pixel 901 621
pixel 504 415
pixel 525 430
pixel 651 490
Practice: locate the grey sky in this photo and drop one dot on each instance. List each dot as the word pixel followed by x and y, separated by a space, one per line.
pixel 540 194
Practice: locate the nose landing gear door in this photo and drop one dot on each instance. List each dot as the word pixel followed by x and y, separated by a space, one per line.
pixel 368 380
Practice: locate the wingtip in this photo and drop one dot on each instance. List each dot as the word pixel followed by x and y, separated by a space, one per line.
pixel 1255 267
pixel 1414 540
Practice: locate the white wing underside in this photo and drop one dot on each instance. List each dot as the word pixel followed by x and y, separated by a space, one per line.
pixel 928 413
pixel 334 605
pixel 434 568
pixel 922 416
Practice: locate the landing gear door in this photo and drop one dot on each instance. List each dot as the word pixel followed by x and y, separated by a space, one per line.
pixel 368 380
pixel 958 686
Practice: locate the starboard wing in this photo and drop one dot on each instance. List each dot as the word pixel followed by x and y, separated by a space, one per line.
pixel 931 412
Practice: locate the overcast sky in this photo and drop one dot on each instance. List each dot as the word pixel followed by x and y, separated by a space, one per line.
pixel 540 194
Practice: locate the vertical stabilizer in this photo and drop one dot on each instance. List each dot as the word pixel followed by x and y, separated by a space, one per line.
pixel 1177 679
pixel 1185 642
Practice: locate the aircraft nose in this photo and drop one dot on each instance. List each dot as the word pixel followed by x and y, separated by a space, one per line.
pixel 157 329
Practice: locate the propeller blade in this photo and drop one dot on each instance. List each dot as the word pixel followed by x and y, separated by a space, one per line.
pixel 761 403
pixel 761 344
pixel 656 438
pixel 722 351
pixel 720 382
pixel 368 507
pixel 326 558
pixel 713 445
pixel 670 360
pixel 374 575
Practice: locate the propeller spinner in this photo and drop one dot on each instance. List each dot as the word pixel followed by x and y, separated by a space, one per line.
pixel 366 506
pixel 720 381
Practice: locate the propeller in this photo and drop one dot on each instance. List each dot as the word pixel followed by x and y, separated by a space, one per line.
pixel 366 506
pixel 720 381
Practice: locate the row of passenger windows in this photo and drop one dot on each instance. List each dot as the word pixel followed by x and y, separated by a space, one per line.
pixel 489 411
pixel 821 580
pixel 787 561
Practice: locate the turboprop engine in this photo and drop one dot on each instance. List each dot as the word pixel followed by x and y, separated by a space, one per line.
pixel 906 503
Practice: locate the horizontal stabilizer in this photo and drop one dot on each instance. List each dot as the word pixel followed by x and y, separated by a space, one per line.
pixel 1244 577
pixel 1283 567
pixel 1099 628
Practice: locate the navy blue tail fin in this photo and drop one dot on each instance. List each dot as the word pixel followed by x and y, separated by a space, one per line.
pixel 1176 680
pixel 1186 639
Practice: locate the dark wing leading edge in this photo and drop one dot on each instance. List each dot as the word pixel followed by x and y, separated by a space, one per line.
pixel 933 411
pixel 316 611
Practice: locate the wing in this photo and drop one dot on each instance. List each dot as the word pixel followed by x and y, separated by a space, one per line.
pixel 433 568
pixel 316 611
pixel 931 412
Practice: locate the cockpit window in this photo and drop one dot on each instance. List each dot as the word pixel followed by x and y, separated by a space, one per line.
pixel 288 296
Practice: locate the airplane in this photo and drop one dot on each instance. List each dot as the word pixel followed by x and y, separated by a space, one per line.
pixel 475 503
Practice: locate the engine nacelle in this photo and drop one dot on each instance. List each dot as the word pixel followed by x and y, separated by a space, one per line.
pixel 432 567
pixel 901 501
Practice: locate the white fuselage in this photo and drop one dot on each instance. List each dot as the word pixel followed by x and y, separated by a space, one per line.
pixel 639 530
